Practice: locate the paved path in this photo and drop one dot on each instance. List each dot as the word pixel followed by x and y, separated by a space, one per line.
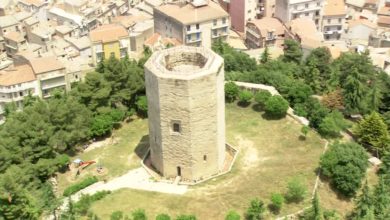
pixel 134 179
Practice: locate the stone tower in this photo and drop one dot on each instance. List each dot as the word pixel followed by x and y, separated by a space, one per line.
pixel 186 111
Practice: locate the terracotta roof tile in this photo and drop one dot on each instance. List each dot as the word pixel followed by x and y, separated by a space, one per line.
pixel 108 33
pixel 14 36
pixel 334 7
pixel 16 75
pixel 45 64
pixel 268 24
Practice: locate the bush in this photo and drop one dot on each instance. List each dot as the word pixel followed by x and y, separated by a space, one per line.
pixel 244 97
pixel 117 215
pixel 163 217
pixel 332 124
pixel 276 106
pixel 82 206
pixel 345 164
pixel 255 210
pixel 277 201
pixel 142 106
pixel 79 186
pixel 186 217
pixel 139 214
pixel 232 215
pixel 231 91
pixel 101 125
pixel 296 190
pixel 117 115
pixel 262 97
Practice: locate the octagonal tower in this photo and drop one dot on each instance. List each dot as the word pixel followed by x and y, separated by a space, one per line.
pixel 186 112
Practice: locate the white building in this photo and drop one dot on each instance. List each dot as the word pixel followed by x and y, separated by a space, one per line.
pixel 333 19
pixel 287 10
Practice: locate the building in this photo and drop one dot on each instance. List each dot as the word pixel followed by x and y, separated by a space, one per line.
pixel 360 30
pixel 15 84
pixel 109 40
pixel 240 11
pixel 9 23
pixel 333 19
pixel 14 43
pixel 304 30
pixel 186 130
pixel 379 38
pixel 195 24
pixel 264 32
pixel 50 75
pixel 287 10
pixel 36 7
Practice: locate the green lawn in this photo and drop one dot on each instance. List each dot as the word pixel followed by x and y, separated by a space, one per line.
pixel 271 153
pixel 117 158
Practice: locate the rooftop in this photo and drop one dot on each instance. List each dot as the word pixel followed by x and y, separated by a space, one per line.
pixel 14 36
pixel 108 33
pixel 64 29
pixel 31 20
pixel 334 7
pixel 307 31
pixel 37 3
pixel 268 24
pixel 79 43
pixel 188 14
pixel 16 75
pixel 356 3
pixel 384 11
pixel 20 16
pixel 8 20
pixel 45 64
pixel 383 20
pixel 130 20
pixel 364 22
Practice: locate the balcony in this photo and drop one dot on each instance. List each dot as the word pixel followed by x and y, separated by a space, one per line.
pixel 193 40
pixel 218 26
pixel 193 31
pixel 301 10
pixel 220 34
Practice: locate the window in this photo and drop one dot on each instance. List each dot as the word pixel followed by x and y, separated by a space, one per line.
pixel 176 127
pixel 328 21
pixel 225 30
pixel 316 21
pixel 339 28
pixel 189 37
pixel 317 13
pixel 306 14
pixel 197 36
pixel 188 27
pixel 318 3
pixel 223 20
pixel 215 22
pixel 270 35
pixel 306 5
pixel 197 26
pixel 214 32
pixel 339 20
pixel 295 7
pixel 204 158
pixel 327 29
pixel 20 93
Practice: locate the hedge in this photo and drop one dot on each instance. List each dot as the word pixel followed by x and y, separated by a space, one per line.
pixel 79 186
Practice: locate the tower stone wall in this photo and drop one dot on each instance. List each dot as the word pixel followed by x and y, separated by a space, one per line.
pixel 186 112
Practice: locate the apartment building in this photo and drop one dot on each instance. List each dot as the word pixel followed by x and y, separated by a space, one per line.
pixel 240 11
pixel 50 74
pixel 15 84
pixel 9 23
pixel 287 10
pixel 109 40
pixel 264 32
pixel 36 7
pixel 333 19
pixel 14 43
pixel 359 31
pixel 196 24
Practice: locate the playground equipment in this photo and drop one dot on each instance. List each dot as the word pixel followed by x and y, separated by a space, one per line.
pixel 83 164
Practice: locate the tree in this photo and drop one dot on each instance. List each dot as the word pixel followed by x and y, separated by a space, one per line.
pixel 317 70
pixel 333 100
pixel 117 215
pixel 304 130
pixel 101 125
pixel 332 124
pixel 262 97
pixel 265 56
pixel 345 164
pixel 296 190
pixel 372 131
pixel 292 51
pixel 364 204
pixel 244 97
pixel 231 91
pixel 142 105
pixel 381 199
pixel 276 106
pixel 163 217
pixel 277 201
pixel 299 92
pixel 232 215
pixel 255 211
pixel 139 214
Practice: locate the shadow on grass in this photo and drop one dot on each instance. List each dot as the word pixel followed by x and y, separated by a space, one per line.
pixel 273 209
pixel 269 117
pixel 243 104
pixel 327 180
pixel 142 147
pixel 258 107
pixel 302 137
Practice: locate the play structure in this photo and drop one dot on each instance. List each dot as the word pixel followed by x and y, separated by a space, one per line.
pixel 83 164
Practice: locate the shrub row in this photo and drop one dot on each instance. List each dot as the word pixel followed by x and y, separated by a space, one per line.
pixel 79 186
